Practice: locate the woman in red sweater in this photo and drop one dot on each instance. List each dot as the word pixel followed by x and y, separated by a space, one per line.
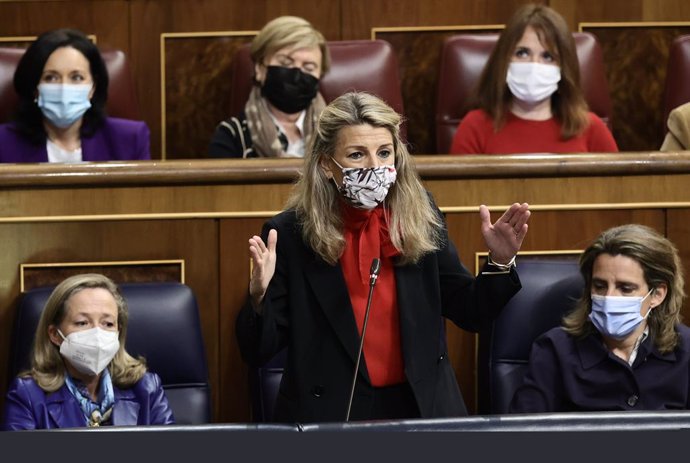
pixel 529 98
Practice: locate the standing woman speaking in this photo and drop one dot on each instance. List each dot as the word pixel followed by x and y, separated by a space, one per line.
pixel 360 198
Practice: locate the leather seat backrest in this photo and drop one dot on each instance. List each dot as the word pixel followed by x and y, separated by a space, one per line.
pixel 550 289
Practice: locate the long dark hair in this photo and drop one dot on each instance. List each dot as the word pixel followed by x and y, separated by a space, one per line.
pixel 28 117
pixel 568 103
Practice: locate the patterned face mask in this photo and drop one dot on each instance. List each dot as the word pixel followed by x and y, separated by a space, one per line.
pixel 366 187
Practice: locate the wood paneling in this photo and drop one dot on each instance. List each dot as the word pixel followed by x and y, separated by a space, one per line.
pixel 633 55
pixel 108 20
pixel 194 241
pixel 360 16
pixel 196 90
pixel 150 18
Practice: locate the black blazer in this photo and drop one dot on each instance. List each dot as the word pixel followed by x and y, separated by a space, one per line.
pixel 307 308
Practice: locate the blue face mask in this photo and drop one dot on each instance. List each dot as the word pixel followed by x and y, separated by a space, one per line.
pixel 63 104
pixel 617 316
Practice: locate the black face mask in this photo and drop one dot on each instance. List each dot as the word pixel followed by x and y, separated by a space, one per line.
pixel 289 89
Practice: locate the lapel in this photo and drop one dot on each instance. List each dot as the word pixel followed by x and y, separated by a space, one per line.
pixel 421 328
pixel 125 408
pixel 92 148
pixel 328 284
pixel 64 410
pixel 35 153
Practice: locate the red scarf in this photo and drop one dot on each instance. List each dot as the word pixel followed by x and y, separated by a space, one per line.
pixel 367 237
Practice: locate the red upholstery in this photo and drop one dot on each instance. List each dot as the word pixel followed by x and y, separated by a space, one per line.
pixel 677 90
pixel 122 99
pixel 463 58
pixel 364 65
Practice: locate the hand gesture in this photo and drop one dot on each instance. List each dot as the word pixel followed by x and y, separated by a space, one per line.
pixel 264 266
pixel 504 238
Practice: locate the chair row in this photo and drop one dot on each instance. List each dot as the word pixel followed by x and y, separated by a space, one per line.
pixel 372 65
pixel 164 328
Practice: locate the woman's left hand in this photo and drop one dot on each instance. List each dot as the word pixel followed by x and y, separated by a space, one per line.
pixel 504 238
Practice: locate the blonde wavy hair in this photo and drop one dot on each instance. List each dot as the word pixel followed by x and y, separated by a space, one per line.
pixel 660 263
pixel 47 366
pixel 413 222
pixel 288 31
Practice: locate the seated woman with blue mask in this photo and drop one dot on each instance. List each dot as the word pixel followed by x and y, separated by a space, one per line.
pixel 623 346
pixel 81 375
pixel 62 84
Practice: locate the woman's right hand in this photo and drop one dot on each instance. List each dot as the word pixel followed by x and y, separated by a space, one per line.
pixel 264 266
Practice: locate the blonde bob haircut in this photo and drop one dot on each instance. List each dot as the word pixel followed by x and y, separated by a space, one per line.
pixel 288 31
pixel 568 102
pixel 415 226
pixel 660 264
pixel 47 367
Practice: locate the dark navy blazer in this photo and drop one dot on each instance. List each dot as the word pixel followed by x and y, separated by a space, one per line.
pixel 116 140
pixel 30 407
pixel 569 374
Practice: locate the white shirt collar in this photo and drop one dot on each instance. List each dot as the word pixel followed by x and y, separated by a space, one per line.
pixel 58 154
pixel 295 149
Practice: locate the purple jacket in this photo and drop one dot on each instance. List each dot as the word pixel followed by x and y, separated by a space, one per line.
pixel 30 407
pixel 116 140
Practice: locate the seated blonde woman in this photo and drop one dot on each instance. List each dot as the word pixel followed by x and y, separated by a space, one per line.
pixel 81 375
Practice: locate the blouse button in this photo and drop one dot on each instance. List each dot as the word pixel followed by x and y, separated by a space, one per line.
pixel 317 391
pixel 632 400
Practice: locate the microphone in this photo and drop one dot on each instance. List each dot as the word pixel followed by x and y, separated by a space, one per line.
pixel 373 276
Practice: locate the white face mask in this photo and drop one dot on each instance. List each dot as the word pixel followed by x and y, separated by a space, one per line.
pixel 532 82
pixel 90 351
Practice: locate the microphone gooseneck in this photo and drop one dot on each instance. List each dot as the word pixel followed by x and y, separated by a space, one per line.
pixel 373 276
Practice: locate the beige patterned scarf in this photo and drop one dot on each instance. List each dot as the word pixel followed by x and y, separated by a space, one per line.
pixel 264 131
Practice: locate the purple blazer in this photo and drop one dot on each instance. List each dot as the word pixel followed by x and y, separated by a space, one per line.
pixel 30 407
pixel 116 140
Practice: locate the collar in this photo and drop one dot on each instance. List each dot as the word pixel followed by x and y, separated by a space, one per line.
pixel 65 411
pixel 592 350
pixel 299 122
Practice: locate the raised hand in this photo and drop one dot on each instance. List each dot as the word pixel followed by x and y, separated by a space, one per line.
pixel 504 237
pixel 264 266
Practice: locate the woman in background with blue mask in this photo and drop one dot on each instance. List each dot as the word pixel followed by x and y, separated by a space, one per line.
pixel 529 98
pixel 278 120
pixel 623 346
pixel 360 199
pixel 62 84
pixel 81 375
